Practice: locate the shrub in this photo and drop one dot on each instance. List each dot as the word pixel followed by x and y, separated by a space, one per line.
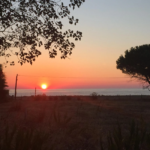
pixel 94 95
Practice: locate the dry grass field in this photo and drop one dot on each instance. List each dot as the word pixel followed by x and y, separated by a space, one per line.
pixel 74 119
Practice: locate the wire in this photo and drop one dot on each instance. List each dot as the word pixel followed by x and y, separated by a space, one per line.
pixel 70 77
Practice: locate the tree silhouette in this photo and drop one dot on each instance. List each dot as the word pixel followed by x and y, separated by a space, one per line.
pixel 3 83
pixel 26 25
pixel 136 63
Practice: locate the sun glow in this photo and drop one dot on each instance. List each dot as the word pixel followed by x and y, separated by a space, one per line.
pixel 44 86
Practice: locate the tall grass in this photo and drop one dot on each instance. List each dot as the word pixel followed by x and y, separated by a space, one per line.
pixel 136 137
pixel 52 128
pixel 20 139
pixel 76 137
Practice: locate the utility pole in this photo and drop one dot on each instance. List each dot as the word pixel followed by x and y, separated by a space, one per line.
pixel 16 86
pixel 35 91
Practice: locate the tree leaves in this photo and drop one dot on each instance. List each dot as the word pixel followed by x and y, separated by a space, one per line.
pixel 29 24
pixel 135 63
pixel 76 3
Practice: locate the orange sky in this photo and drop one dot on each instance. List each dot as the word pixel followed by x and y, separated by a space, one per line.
pixel 108 30
pixel 70 73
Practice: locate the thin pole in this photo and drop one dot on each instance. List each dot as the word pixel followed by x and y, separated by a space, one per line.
pixel 35 91
pixel 16 86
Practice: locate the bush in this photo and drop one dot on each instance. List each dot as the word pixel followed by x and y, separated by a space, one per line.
pixel 94 95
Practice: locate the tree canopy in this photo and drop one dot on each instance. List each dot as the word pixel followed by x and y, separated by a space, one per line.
pixel 26 25
pixel 3 83
pixel 136 63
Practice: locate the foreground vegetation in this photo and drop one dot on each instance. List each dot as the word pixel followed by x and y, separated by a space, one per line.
pixel 73 123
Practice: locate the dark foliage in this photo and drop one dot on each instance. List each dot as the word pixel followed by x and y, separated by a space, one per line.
pixel 136 137
pixel 26 25
pixel 94 95
pixel 3 83
pixel 136 63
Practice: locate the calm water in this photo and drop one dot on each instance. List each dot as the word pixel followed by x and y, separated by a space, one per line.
pixel 48 92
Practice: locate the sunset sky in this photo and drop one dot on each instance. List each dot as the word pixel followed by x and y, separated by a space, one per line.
pixel 109 28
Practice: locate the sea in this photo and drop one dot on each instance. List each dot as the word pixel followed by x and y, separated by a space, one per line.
pixel 73 92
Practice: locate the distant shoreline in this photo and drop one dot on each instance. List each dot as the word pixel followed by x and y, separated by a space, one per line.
pixel 81 92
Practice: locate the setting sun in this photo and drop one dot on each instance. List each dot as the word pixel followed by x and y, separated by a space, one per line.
pixel 44 86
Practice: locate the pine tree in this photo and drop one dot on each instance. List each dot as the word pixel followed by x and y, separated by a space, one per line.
pixel 3 83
